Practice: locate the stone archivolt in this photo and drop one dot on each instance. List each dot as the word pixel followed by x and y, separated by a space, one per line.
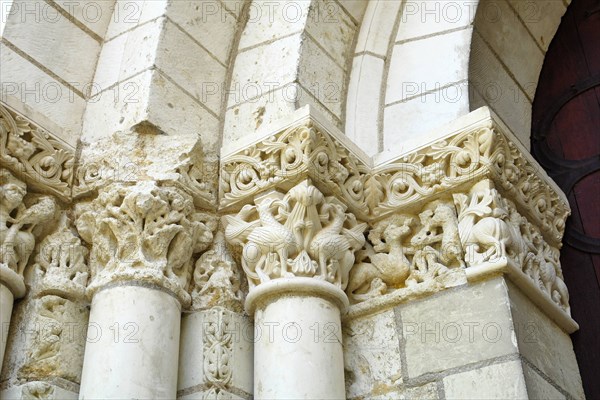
pixel 33 154
pixel 299 234
pixel 143 232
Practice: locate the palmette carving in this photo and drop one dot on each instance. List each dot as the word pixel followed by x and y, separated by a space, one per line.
pixel 407 250
pixel 301 233
pixel 493 232
pixel 22 217
pixel 144 232
pixel 218 340
pixel 33 154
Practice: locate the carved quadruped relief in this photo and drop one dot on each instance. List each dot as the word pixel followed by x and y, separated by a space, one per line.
pixel 22 220
pixel 144 232
pixel 298 234
pixel 406 250
pixel 492 231
pixel 34 155
pixel 217 280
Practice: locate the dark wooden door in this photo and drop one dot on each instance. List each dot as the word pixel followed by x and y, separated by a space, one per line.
pixel 566 141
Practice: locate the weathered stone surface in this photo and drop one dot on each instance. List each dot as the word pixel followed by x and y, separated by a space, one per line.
pixel 538 387
pixel 372 358
pixel 497 381
pixel 38 390
pixel 426 392
pixel 458 327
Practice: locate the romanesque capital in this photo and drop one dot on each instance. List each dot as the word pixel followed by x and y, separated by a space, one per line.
pixel 22 219
pixel 297 234
pixel 34 155
pixel 143 232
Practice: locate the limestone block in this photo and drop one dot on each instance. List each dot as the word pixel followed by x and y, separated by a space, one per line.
pixel 377 25
pixel 497 381
pixel 415 66
pixel 216 394
pixel 429 392
pixel 212 24
pixel 95 15
pixel 515 46
pixel 40 94
pixel 271 21
pixel 458 327
pixel 38 390
pixel 544 344
pixel 500 92
pixel 333 29
pixel 191 67
pixel 356 8
pixel 432 111
pixel 362 107
pixel 305 97
pixel 324 80
pixel 372 355
pixel 538 387
pixel 129 14
pixel 216 350
pixel 428 18
pixel 55 35
pixel 282 56
pixel 541 18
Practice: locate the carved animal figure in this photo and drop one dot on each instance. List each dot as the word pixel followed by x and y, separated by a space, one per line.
pixel 269 239
pixel 388 264
pixel 328 246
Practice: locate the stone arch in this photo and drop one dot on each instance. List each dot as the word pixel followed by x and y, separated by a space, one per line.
pixel 306 46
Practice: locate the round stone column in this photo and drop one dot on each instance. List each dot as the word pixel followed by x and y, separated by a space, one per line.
pixel 143 237
pixel 298 343
pixel 6 306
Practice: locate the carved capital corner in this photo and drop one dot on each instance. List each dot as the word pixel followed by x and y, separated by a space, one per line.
pixel 24 218
pixel 143 232
pixel 308 148
pixel 129 157
pixel 297 234
pixel 34 155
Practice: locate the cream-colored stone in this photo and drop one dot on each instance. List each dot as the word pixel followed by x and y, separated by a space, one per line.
pixel 132 345
pixel 363 102
pixel 95 15
pixel 356 8
pixel 457 328
pixel 377 25
pixel 217 394
pixel 432 17
pixel 541 17
pixel 372 359
pixel 216 350
pixel 54 34
pixel 42 93
pixel 128 15
pixel 38 390
pixel 544 344
pixel 6 306
pixel 538 387
pixel 415 67
pixel 497 381
pixel 426 392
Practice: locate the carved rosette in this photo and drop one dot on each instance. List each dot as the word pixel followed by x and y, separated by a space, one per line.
pixel 143 232
pixel 301 233
pixel 34 155
pixel 22 220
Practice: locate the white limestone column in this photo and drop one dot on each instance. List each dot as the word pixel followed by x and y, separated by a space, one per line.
pixel 6 306
pixel 132 345
pixel 143 237
pixel 298 339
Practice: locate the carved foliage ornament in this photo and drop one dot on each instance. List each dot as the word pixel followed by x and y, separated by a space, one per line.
pixel 33 154
pixel 144 232
pixel 301 233
pixel 446 166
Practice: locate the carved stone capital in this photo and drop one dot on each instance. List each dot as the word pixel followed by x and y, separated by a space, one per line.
pixel 300 233
pixel 145 233
pixel 22 220
pixel 34 155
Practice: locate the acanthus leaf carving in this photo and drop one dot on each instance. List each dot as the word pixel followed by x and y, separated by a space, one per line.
pixel 144 232
pixel 34 155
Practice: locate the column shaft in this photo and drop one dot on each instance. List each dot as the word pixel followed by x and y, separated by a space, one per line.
pixel 6 306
